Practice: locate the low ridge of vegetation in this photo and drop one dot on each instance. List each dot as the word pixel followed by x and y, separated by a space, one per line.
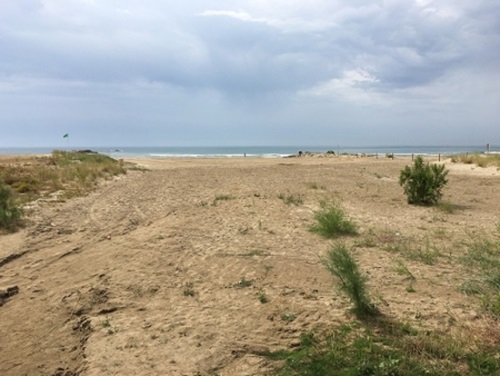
pixel 71 173
pixel 481 160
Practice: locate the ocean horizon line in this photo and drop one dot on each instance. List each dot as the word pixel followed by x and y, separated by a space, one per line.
pixel 255 151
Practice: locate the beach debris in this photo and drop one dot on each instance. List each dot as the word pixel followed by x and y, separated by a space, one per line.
pixel 8 293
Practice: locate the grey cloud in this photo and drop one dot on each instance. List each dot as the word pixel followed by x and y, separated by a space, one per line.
pixel 189 68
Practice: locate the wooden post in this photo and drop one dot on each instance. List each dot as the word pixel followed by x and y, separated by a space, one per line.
pixel 412 155
pixel 439 157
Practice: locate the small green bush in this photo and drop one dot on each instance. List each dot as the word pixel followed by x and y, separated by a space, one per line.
pixel 422 183
pixel 332 222
pixel 342 265
pixel 10 213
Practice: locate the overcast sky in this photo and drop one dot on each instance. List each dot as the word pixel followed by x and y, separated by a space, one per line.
pixel 256 72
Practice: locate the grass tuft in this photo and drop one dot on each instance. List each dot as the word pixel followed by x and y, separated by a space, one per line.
pixel 243 283
pixel 189 289
pixel 292 199
pixel 222 197
pixel 342 265
pixel 263 297
pixel 332 222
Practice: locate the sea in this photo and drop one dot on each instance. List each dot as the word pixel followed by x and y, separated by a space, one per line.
pixel 118 152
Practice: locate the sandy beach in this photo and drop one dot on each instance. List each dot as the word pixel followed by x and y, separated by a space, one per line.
pixel 162 271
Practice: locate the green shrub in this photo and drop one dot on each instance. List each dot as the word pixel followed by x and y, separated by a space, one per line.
pixel 341 264
pixel 422 183
pixel 332 222
pixel 10 213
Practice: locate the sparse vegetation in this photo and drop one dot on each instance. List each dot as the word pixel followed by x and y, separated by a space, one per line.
pixel 288 316
pixel 244 230
pixel 403 270
pixel 222 197
pixel 342 265
pixel 423 183
pixel 107 325
pixel 189 289
pixel 254 253
pixel 243 283
pixel 391 349
pixel 72 173
pixel 481 160
pixel 314 185
pixel 263 297
pixel 446 207
pixel 291 199
pixel 332 222
pixel 412 249
pixel 10 212
pixel 483 259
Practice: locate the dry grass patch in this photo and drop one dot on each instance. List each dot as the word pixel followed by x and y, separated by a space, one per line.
pixel 70 173
pixel 481 160
pixel 74 173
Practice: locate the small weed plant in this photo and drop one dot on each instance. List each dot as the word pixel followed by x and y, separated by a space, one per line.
pixel 342 265
pixel 314 185
pixel 263 297
pixel 288 316
pixel 222 197
pixel 423 183
pixel 403 270
pixel 291 199
pixel 243 283
pixel 189 289
pixel 332 222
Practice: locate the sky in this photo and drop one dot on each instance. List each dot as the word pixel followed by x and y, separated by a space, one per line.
pixel 259 72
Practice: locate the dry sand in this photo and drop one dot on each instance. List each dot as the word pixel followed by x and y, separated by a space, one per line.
pixel 105 281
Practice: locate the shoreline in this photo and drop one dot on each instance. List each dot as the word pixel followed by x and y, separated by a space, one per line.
pixel 229 152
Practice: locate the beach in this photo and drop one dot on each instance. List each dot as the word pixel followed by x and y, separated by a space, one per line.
pixel 164 270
